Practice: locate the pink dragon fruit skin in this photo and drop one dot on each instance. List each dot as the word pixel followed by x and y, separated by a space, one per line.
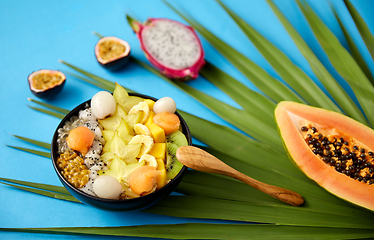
pixel 181 73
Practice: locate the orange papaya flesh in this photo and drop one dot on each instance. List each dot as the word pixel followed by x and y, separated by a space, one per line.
pixel 332 149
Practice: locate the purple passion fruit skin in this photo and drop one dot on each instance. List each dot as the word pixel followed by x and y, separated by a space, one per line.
pixel 112 53
pixel 46 83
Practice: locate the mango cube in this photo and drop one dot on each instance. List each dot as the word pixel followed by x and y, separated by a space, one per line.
pixel 158 151
pixel 150 118
pixel 161 178
pixel 157 132
pixel 150 103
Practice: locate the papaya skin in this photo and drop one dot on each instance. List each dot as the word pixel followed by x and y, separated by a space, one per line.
pixel 291 116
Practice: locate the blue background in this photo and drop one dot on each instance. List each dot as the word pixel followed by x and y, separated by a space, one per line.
pixel 36 34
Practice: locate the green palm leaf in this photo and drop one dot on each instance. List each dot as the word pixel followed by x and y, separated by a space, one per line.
pixel 333 87
pixel 251 157
pixel 253 102
pixel 98 84
pixel 210 231
pixel 224 139
pixel 243 120
pixel 248 123
pixel 342 61
pixel 52 107
pixel 36 152
pixel 105 83
pixel 218 187
pixel 49 112
pixel 35 142
pixel 291 73
pixel 52 194
pixel 209 208
pixel 354 50
pixel 46 187
pixel 364 30
pixel 259 77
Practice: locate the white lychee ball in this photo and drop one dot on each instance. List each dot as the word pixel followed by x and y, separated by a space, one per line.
pixel 103 104
pixel 107 187
pixel 165 104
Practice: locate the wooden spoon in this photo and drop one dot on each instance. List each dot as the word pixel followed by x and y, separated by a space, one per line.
pixel 200 160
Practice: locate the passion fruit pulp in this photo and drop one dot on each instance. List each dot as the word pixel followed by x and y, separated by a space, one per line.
pixel 112 53
pixel 46 83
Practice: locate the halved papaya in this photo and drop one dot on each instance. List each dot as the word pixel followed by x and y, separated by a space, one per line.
pixel 334 150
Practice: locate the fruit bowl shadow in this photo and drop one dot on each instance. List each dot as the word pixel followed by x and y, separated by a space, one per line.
pixel 113 204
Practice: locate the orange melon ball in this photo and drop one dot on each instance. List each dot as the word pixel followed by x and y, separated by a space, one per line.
pixel 143 180
pixel 168 121
pixel 80 139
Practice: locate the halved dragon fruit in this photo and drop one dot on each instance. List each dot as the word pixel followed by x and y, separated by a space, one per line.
pixel 170 46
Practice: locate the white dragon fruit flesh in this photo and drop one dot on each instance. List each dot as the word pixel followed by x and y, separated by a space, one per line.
pixel 170 46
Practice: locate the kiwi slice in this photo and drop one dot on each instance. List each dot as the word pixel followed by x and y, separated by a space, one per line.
pixel 173 166
pixel 173 142
pixel 178 138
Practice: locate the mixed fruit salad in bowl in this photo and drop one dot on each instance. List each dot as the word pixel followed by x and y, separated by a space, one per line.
pixel 118 151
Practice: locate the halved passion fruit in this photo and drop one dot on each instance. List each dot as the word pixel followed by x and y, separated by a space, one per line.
pixel 112 53
pixel 46 83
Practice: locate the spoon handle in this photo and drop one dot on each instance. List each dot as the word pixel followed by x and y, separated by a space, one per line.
pixel 282 194
pixel 200 160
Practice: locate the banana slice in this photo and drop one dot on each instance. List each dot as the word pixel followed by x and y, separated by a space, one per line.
pixel 142 106
pixel 146 141
pixel 141 129
pixel 149 160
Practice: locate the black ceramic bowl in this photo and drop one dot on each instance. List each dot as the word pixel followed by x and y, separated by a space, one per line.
pixel 112 204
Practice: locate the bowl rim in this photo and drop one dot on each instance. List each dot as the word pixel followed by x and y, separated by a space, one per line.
pixel 74 112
